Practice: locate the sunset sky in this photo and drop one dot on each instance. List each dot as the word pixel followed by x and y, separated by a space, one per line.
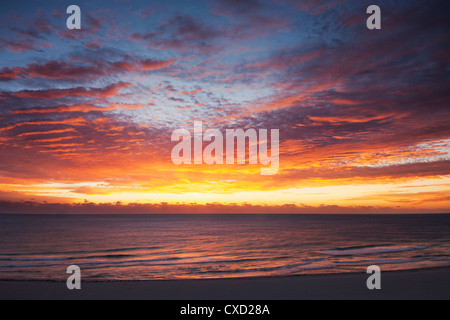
pixel 86 116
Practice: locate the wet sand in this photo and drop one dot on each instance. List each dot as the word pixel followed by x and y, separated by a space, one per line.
pixel 418 284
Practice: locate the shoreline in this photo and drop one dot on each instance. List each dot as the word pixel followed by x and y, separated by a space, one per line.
pixel 232 278
pixel 430 283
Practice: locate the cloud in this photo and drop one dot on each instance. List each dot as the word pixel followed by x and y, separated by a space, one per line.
pixel 51 94
pixel 33 207
pixel 182 33
pixel 19 46
pixel 230 8
pixel 25 33
pixel 60 70
pixel 352 106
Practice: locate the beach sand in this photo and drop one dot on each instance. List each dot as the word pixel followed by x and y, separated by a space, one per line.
pixel 418 284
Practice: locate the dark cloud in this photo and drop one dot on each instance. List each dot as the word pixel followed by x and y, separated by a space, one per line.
pixel 64 93
pixel 182 33
pixel 34 207
pixel 90 70
pixel 233 7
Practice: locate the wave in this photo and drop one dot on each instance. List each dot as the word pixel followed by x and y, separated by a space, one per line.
pixel 37 259
pixel 166 261
pixel 378 262
pixel 106 251
pixel 355 251
pixel 116 256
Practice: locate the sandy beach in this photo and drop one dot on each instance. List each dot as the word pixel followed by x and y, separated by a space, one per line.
pixel 418 284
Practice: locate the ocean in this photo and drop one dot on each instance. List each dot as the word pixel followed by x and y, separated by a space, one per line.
pixel 149 247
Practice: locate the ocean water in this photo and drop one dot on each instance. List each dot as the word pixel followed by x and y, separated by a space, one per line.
pixel 124 247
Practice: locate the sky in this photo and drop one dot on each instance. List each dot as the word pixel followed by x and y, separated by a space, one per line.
pixel 86 116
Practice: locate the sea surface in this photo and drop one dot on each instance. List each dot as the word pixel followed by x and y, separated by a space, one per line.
pixel 147 247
